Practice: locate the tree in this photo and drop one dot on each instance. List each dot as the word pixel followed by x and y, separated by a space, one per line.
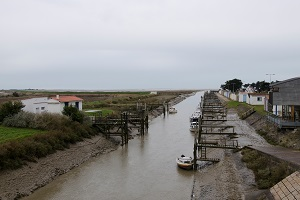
pixel 73 113
pixel 10 108
pixel 259 86
pixel 232 85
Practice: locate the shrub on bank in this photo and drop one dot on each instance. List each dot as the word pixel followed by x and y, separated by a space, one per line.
pixel 267 174
pixel 61 131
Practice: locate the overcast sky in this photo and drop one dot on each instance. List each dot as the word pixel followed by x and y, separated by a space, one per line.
pixel 146 44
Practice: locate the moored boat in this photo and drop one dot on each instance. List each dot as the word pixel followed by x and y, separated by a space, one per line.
pixel 194 126
pixel 172 110
pixel 184 162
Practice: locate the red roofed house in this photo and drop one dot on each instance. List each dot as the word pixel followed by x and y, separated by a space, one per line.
pixel 52 104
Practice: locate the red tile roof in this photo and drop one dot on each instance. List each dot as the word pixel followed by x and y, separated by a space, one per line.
pixel 67 98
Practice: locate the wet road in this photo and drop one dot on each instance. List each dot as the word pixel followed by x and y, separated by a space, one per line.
pixel 145 169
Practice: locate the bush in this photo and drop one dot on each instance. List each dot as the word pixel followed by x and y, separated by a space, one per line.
pixel 9 109
pixel 267 174
pixel 73 113
pixel 61 132
pixel 19 120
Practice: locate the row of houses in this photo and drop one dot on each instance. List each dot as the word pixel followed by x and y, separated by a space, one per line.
pixel 282 102
pixel 251 98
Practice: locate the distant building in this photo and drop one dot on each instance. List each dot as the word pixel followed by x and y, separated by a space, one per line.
pixel 243 97
pixel 256 98
pixel 52 105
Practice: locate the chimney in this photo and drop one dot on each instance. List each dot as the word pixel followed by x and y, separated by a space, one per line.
pixel 57 96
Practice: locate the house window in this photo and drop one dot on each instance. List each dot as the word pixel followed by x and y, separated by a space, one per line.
pixel 259 98
pixel 42 108
pixel 66 104
pixel 275 89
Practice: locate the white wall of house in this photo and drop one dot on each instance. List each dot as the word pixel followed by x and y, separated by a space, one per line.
pixel 44 104
pixel 277 110
pixel 256 99
pixel 227 93
pixel 233 96
pixel 54 106
pixel 35 105
pixel 243 97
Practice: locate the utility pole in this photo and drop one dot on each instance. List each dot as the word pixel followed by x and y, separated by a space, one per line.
pixel 233 87
pixel 270 76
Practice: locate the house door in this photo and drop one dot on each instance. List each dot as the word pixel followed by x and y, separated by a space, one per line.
pixel 244 98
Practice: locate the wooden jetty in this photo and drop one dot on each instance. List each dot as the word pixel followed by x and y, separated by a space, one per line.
pixel 121 126
pixel 212 112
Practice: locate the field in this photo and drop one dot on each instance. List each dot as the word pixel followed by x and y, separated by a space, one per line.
pixel 8 133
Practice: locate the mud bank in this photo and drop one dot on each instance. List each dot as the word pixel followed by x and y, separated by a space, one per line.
pixel 21 182
pixel 229 178
pixel 15 184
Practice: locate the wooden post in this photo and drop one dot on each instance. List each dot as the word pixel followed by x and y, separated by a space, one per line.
pixel 167 107
pixel 195 155
pixel 142 116
pixel 147 123
pixel 126 127
pixel 200 127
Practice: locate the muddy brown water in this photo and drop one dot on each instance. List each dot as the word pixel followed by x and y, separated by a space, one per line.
pixel 144 169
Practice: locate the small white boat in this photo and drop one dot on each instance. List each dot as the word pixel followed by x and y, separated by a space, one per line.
pixel 184 162
pixel 194 126
pixel 172 110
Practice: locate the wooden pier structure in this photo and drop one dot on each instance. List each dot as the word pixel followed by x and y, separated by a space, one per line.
pixel 213 113
pixel 121 126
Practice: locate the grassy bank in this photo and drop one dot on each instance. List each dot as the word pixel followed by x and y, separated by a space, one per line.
pixel 242 107
pixel 12 133
pixel 45 134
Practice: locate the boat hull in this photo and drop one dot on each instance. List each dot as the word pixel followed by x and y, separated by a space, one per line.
pixel 186 166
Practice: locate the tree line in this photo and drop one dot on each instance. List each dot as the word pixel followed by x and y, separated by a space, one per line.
pixel 235 85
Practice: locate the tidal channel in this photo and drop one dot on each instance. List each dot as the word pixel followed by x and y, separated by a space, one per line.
pixel 143 169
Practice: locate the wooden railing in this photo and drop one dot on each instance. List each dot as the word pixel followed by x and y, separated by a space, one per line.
pixel 247 113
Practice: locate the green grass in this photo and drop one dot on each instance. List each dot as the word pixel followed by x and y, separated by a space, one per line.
pixel 10 133
pixel 232 104
pixel 260 110
pixel 235 104
pixel 105 112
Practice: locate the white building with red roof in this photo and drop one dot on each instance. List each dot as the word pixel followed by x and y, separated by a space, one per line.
pixel 51 104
